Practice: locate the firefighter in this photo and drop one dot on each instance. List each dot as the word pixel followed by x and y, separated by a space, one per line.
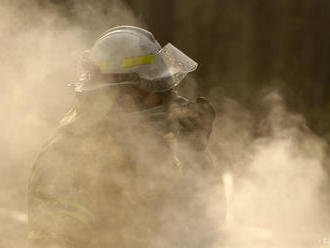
pixel 117 171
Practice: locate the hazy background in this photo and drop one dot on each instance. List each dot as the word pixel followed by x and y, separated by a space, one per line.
pixel 264 65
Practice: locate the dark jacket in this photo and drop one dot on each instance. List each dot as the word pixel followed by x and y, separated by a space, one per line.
pixel 96 185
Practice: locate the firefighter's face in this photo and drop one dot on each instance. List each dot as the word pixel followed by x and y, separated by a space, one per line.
pixel 154 99
pixel 134 99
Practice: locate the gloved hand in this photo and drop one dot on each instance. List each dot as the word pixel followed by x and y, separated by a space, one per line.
pixel 192 121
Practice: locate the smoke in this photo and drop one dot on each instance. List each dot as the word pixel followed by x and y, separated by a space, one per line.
pixel 40 44
pixel 272 164
pixel 275 178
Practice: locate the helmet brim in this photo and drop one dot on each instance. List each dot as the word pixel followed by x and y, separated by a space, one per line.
pixel 168 69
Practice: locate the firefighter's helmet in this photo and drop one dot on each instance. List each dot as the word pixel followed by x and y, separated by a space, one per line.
pixel 128 55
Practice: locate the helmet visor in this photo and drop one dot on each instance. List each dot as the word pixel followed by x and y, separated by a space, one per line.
pixel 165 71
pixel 168 69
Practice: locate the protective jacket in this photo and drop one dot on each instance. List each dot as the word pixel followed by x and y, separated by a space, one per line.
pixel 101 184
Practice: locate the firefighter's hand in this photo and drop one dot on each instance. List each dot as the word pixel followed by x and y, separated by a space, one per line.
pixel 193 120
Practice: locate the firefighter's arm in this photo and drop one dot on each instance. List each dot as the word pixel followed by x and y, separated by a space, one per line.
pixel 193 123
pixel 59 214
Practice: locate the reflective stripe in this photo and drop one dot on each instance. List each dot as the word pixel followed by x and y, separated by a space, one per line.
pixel 60 239
pixel 68 208
pixel 141 60
pixel 103 65
pixel 178 164
pixel 71 214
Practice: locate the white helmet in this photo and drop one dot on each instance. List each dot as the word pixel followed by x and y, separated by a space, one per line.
pixel 128 55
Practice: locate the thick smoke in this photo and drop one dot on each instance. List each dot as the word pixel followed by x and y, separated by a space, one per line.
pixel 275 179
pixel 40 45
pixel 270 162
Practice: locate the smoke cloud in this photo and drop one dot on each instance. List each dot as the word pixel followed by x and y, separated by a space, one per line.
pixel 275 183
pixel 40 44
pixel 271 184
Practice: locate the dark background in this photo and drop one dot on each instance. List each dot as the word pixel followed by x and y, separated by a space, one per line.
pixel 244 47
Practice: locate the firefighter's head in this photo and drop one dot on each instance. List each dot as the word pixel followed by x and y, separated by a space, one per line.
pixel 127 63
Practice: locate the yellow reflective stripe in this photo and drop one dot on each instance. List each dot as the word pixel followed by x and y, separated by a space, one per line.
pixel 46 235
pixel 76 216
pixel 141 60
pixel 69 213
pixel 71 204
pixel 103 65
pixel 72 209
pixel 178 164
